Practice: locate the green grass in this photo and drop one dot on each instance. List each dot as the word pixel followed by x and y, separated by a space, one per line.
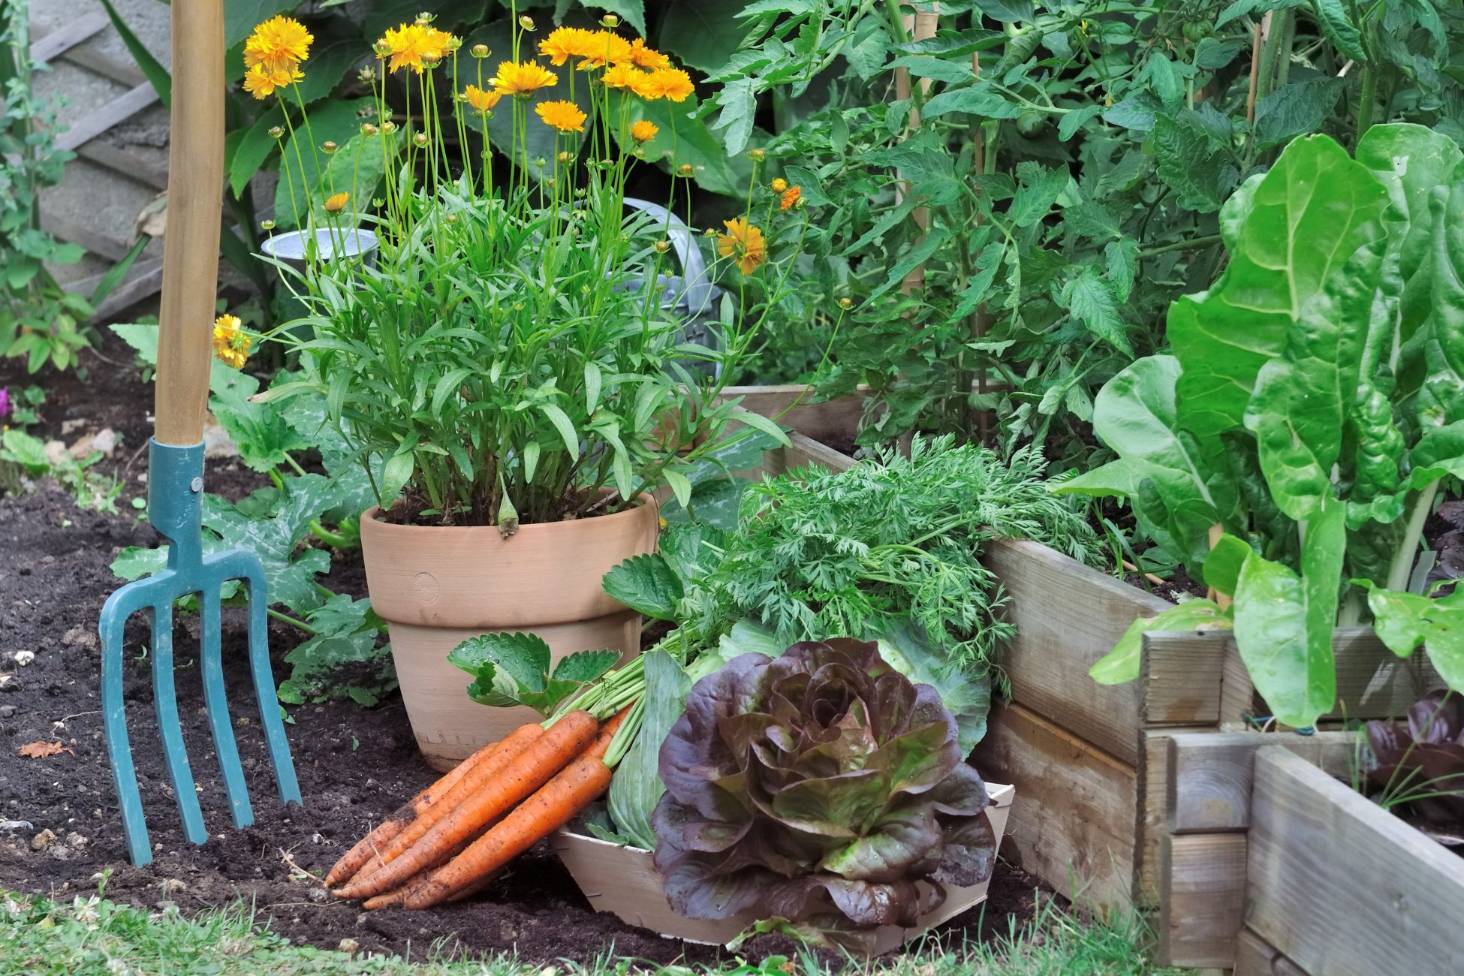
pixel 96 936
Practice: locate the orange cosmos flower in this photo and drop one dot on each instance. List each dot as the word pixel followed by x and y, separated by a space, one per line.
pixel 644 131
pixel 564 116
pixel 522 79
pixel 279 44
pixel 790 198
pixel 480 100
pixel 745 242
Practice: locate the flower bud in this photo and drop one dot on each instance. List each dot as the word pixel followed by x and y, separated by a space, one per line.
pixel 757 155
pixel 453 44
pixel 276 132
pixel 328 147
pixel 450 218
pixel 846 303
pixel 420 140
pixel 778 185
pixel 366 75
pixel 662 246
pixel 388 127
pixel 565 155
pixel 610 21
pixel 527 23
pixel 479 51
pixel 266 225
pixel 367 129
pixel 684 169
pixel 424 18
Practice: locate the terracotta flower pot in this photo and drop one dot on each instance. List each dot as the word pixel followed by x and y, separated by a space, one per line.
pixel 437 586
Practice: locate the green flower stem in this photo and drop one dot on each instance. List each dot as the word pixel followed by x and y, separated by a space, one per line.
pixel 292 621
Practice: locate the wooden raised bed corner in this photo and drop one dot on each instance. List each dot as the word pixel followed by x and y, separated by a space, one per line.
pixel 1273 866
pixel 1090 762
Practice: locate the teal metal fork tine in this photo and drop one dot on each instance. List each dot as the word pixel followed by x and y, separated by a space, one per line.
pixel 215 697
pixel 165 702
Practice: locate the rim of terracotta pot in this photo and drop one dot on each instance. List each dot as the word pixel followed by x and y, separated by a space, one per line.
pixel 469 576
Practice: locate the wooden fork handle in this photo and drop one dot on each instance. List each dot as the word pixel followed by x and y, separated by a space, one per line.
pixel 195 202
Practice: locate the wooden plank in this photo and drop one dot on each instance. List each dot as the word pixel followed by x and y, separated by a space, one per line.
pixel 1210 775
pixel 1181 677
pixel 1253 955
pixel 1237 693
pixel 1072 823
pixel 125 163
pixel 792 405
pixel 1372 681
pixel 1153 819
pixel 122 74
pixel 65 38
pixel 1067 617
pixel 803 452
pixel 1202 909
pixel 119 110
pixel 1341 886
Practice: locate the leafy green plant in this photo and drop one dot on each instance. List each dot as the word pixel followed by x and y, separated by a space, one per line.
pixel 818 788
pixel 1311 409
pixel 515 669
pixel 1016 247
pixel 23 456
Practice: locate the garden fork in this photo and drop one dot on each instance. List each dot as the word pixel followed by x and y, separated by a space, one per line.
pixel 175 468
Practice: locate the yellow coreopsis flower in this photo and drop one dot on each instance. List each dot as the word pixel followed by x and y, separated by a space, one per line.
pixel 280 44
pixel 669 83
pixel 415 46
pixel 513 78
pixel 261 82
pixel 644 57
pixel 230 342
pixel 644 131
pixel 744 242
pixel 602 48
pixel 480 100
pixel 564 43
pixel 621 76
pixel 778 185
pixel 564 116
pixel 336 202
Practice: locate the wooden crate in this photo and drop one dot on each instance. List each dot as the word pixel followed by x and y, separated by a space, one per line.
pixel 1091 762
pixel 1274 866
pixel 793 405
pixel 624 882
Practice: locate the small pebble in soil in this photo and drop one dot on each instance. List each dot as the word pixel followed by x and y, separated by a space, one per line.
pixel 6 711
pixel 349 946
pixel 23 658
pixel 43 840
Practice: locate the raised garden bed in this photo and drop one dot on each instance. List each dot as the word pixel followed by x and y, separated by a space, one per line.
pixel 1273 865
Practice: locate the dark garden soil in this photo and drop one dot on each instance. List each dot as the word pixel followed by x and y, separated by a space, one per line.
pixel 62 835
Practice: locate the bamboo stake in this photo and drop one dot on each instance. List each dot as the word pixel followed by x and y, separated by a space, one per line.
pixel 922 26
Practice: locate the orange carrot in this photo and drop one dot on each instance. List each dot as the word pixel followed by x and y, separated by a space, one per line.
pixel 491 766
pixel 551 807
pixel 355 860
pixel 529 770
